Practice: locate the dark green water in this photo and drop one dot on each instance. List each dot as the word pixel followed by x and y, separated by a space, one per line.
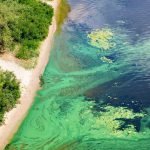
pixel 96 94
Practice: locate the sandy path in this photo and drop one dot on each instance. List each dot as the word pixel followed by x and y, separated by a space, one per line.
pixel 31 83
pixel 21 73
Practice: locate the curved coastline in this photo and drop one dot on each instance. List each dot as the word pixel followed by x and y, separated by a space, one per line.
pixel 16 115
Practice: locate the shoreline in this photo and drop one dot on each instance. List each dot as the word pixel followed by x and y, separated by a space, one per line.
pixel 14 117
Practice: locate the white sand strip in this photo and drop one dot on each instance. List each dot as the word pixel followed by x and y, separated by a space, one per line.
pixel 21 73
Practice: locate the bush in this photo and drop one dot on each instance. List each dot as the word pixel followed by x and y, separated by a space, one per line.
pixel 41 81
pixel 9 92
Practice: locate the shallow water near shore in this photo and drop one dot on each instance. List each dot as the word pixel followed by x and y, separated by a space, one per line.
pixel 96 96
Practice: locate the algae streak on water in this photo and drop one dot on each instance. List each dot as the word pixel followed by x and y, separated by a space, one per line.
pixel 62 13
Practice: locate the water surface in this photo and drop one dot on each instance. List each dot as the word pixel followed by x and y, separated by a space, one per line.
pixel 88 102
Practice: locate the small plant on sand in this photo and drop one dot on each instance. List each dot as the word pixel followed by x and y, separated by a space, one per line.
pixel 41 81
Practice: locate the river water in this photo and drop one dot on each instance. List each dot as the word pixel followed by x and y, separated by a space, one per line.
pixel 96 94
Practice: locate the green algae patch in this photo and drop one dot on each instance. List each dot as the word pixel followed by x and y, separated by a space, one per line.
pixel 105 59
pixel 102 39
pixel 111 119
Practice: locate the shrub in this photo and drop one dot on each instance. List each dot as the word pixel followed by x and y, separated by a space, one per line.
pixel 9 92
pixel 28 50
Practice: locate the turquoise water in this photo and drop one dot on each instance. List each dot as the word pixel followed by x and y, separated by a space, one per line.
pixel 97 82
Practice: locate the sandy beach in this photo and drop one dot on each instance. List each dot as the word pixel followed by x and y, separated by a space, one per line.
pixel 29 84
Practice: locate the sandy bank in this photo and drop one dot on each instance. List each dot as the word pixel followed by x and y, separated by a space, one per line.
pixel 30 82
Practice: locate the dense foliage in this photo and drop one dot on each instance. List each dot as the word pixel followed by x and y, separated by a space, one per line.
pixel 9 92
pixel 23 24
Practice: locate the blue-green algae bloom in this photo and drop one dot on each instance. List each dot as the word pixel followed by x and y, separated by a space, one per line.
pixel 102 39
pixel 96 87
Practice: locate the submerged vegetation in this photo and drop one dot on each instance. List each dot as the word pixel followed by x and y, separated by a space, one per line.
pixel 23 25
pixel 9 92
